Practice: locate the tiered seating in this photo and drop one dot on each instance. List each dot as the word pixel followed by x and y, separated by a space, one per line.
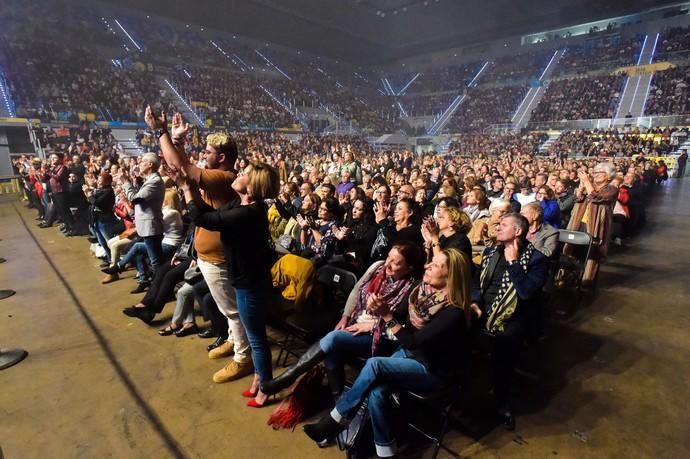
pixel 47 79
pixel 580 98
pixel 613 142
pixel 668 93
pixel 493 145
pixel 487 106
pixel 519 67
pixel 232 99
pixel 599 54
pixel 674 43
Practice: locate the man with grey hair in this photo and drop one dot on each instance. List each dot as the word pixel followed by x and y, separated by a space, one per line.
pixel 543 237
pixel 505 296
pixel 148 209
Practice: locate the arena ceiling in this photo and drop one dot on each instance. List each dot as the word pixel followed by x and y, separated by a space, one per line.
pixel 368 31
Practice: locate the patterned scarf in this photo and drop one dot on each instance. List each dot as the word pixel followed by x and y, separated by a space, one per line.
pixel 392 292
pixel 425 303
pixel 503 306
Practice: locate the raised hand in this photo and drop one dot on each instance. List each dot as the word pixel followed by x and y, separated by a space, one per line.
pixel 179 127
pixel 380 211
pixel 179 176
pixel 426 234
pixel 153 121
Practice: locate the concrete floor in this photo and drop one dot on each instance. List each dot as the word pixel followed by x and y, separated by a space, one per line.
pixel 610 381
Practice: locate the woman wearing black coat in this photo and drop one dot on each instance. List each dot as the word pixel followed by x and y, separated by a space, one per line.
pixel 101 204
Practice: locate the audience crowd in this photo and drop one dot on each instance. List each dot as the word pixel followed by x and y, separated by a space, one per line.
pixel 487 106
pixel 668 93
pixel 580 98
pixel 273 202
pixel 674 44
pixel 602 53
pixel 236 228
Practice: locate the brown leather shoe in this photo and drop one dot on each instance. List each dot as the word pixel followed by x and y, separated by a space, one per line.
pixel 224 350
pixel 233 371
pixel 110 278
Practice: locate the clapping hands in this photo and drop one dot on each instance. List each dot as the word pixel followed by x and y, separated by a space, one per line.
pixel 429 229
pixel 179 127
pixel 380 211
pixel 153 121
pixel 341 232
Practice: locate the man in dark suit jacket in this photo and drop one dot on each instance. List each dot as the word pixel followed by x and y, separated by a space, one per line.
pixel 506 295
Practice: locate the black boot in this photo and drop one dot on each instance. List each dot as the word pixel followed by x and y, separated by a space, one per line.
pixel 336 381
pixel 324 430
pixel 114 269
pixel 309 360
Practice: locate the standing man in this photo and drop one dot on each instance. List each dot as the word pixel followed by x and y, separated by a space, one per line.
pixel 506 296
pixel 216 183
pixel 148 209
pixel 57 178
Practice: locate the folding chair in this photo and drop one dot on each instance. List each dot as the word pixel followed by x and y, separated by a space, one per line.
pixel 572 263
pixel 321 313
pixel 439 404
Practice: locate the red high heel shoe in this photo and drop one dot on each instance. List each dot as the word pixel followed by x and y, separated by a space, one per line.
pixel 249 394
pixel 254 404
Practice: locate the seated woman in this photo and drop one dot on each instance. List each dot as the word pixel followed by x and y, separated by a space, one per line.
pixel 448 231
pixel 402 228
pixel 316 235
pixel 163 284
pixel 172 238
pixel 389 282
pixel 429 357
pixel 183 322
pixel 549 203
pixel 354 239
pixel 483 230
pixel 476 204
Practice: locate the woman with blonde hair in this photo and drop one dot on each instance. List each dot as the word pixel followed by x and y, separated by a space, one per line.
pixel 437 321
pixel 446 191
pixel 245 238
pixel 173 235
pixel 448 231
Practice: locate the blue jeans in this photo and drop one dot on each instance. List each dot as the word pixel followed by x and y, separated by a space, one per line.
pixel 252 304
pixel 140 251
pixel 103 231
pixel 136 252
pixel 340 345
pixel 379 377
pixel 154 248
